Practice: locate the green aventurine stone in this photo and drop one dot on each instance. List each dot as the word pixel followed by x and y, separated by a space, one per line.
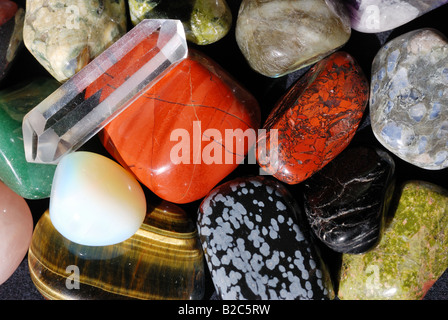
pixel 204 21
pixel 31 181
pixel 65 35
pixel 412 254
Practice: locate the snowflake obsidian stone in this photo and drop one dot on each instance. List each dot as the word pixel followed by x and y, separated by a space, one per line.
pixel 256 246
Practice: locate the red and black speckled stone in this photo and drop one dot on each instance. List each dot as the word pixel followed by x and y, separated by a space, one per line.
pixel 315 120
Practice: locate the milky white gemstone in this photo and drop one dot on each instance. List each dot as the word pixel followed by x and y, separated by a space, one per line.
pixel 94 201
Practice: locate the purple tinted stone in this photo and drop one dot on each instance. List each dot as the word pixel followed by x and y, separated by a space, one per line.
pixel 372 16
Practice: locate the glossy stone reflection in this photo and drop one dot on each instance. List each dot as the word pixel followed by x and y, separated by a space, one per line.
pixel 29 180
pixel 163 260
pixel 346 202
pixel 412 254
pixel 315 120
pixel 256 244
pixel 409 98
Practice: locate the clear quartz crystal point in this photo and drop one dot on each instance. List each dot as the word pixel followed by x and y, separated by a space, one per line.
pixel 88 101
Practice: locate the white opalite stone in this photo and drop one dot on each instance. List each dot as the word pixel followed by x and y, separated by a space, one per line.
pixel 94 201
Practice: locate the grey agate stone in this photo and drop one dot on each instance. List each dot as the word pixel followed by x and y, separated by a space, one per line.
pixel 255 245
pixel 409 98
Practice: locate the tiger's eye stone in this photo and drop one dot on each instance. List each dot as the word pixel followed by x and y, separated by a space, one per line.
pixel 278 37
pixel 315 120
pixel 204 21
pixel 11 33
pixel 412 254
pixel 256 244
pixel 175 139
pixel 162 260
pixel 16 229
pixel 346 202
pixel 29 180
pixel 94 201
pixel 64 36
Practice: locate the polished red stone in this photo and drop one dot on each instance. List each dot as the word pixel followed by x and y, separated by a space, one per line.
pixel 7 10
pixel 316 119
pixel 197 98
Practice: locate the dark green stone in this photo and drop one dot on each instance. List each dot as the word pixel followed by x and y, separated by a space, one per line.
pixel 29 180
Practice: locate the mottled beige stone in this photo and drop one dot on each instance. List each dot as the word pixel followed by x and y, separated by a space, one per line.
pixel 65 35
pixel 279 37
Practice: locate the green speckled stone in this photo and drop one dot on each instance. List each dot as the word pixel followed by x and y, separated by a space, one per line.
pixel 412 254
pixel 29 180
pixel 65 35
pixel 204 21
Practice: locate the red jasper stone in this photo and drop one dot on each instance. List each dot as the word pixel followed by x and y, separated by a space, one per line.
pixel 7 10
pixel 315 120
pixel 173 138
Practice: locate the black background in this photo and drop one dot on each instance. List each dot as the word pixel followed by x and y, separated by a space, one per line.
pixel 363 47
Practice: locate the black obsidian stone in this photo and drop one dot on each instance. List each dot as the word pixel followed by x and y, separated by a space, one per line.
pixel 346 202
pixel 256 246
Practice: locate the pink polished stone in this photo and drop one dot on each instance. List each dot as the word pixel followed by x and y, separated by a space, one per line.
pixel 16 229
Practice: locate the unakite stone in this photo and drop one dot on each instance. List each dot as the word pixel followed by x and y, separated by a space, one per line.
pixel 412 254
pixel 31 181
pixel 409 98
pixel 65 35
pixel 204 21
pixel 278 37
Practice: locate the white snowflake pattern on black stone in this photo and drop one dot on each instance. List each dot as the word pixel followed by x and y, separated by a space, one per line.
pixel 254 246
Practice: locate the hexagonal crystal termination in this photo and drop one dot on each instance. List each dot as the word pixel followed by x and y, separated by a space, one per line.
pixel 83 105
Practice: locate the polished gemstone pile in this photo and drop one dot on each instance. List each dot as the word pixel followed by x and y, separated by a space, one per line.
pixel 245 150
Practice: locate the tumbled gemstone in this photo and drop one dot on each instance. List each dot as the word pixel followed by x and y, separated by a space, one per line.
pixel 16 229
pixel 84 104
pixel 94 201
pixel 409 90
pixel 11 34
pixel 256 244
pixel 373 16
pixel 205 21
pixel 186 133
pixel 412 254
pixel 162 260
pixel 279 37
pixel 315 120
pixel 29 180
pixel 65 37
pixel 346 202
